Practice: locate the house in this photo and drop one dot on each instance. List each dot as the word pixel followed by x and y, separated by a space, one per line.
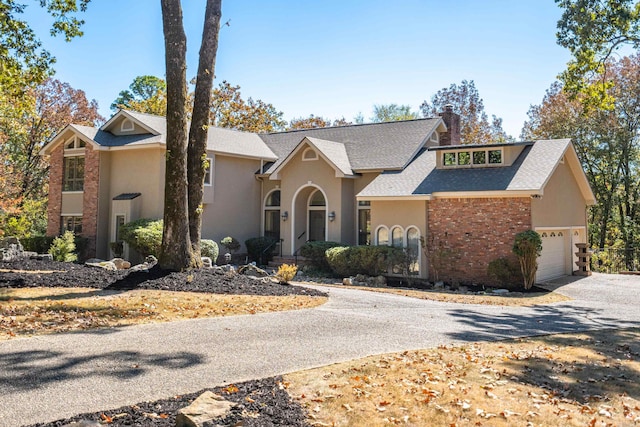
pixel 380 184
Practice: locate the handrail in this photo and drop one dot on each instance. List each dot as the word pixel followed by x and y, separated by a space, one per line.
pixel 267 248
pixel 295 254
pixel 302 234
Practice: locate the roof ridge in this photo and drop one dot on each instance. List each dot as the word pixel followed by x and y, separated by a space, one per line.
pixel 144 114
pixel 347 126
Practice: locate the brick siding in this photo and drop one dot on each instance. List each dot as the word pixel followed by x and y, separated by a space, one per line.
pixel 54 208
pixel 90 199
pixel 475 232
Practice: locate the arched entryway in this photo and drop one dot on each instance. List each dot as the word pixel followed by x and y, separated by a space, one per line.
pixel 310 216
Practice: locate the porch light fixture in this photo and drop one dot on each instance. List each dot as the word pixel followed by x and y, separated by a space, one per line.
pixel 332 216
pixel 285 215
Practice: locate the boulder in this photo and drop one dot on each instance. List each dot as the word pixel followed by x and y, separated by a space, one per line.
pixel 252 270
pixel 149 262
pixel 107 265
pixel 11 249
pixel 438 285
pixel 379 281
pixel 206 408
pixel 206 262
pixel 121 264
pixel 347 281
pixel 44 257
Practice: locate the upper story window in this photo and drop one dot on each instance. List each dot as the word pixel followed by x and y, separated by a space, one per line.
pixel 208 174
pixel 73 178
pixel 476 157
pixel 74 144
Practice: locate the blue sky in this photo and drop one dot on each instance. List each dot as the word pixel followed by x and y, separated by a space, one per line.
pixel 330 58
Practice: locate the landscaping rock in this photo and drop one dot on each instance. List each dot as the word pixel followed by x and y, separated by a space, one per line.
pixel 438 285
pixel 207 407
pixel 121 264
pixel 206 262
pixel 11 249
pixel 252 270
pixel 149 262
pixel 379 281
pixel 43 257
pixel 107 265
pixel 500 291
pixel 347 281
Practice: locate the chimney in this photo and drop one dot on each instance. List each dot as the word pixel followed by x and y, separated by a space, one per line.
pixel 452 121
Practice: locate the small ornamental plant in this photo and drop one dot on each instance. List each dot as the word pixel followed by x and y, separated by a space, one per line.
pixel 63 248
pixel 528 247
pixel 230 244
pixel 286 273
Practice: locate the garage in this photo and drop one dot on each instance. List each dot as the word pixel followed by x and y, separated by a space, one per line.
pixel 552 263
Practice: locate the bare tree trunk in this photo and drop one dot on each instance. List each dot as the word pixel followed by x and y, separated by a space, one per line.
pixel 197 151
pixel 176 251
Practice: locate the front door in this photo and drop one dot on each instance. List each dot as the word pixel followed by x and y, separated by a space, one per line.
pixel 317 225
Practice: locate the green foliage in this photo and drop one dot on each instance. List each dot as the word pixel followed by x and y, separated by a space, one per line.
pixel 368 260
pixel 505 271
pixel 63 248
pixel 39 244
pixel 315 251
pixel 143 235
pixel 146 94
pixel 209 248
pixel 527 247
pixel 286 273
pixel 257 245
pixel 230 244
pixel 392 113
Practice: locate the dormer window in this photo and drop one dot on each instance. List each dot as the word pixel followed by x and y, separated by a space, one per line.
pixel 477 157
pixel 127 126
pixel 434 137
pixel 309 154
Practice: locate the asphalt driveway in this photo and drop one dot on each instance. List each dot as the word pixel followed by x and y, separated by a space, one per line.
pixel 51 377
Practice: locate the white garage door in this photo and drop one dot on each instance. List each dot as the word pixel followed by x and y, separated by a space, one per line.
pixel 552 261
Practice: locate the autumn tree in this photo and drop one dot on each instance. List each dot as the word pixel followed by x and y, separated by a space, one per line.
pixel 230 110
pixel 185 166
pixel 593 30
pixel 475 127
pixel 313 122
pixel 146 94
pixel 392 113
pixel 608 146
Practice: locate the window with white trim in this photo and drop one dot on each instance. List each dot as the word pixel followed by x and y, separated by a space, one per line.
pixel 272 215
pixel 478 157
pixel 382 236
pixel 71 223
pixel 73 173
pixel 413 250
pixel 309 154
pixel 127 126
pixel 364 222
pixel 208 175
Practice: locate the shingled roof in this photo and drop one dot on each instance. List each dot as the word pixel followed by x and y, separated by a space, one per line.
pixel 528 173
pixel 373 146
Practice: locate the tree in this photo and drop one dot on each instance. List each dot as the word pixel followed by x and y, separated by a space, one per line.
pixel 607 143
pixel 593 30
pixel 313 122
pixel 475 127
pixel 23 61
pixel 179 203
pixel 392 113
pixel 528 247
pixel 146 94
pixel 229 110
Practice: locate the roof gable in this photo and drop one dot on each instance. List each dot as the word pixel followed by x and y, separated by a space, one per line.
pixel 334 153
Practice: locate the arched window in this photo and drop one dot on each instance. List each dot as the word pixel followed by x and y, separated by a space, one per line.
pixel 317 199
pixel 413 249
pixel 309 154
pixel 397 237
pixel 272 215
pixel 127 126
pixel 382 236
pixel 317 212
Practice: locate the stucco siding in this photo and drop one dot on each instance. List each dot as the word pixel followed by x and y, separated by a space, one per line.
pixel 562 204
pixel 235 210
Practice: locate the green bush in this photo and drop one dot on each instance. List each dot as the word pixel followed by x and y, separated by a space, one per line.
pixel 256 245
pixel 210 249
pixel 367 260
pixel 230 244
pixel 505 271
pixel 143 235
pixel 39 244
pixel 314 252
pixel 63 248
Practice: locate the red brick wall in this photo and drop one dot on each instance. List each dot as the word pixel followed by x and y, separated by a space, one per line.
pixel 55 191
pixel 90 199
pixel 475 232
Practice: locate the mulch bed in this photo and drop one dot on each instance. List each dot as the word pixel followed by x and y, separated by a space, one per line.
pixel 261 403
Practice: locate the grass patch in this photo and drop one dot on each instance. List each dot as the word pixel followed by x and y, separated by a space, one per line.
pixel 587 379
pixel 521 300
pixel 34 311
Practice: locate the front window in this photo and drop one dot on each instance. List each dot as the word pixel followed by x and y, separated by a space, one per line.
pixel 71 223
pixel 364 223
pixel 413 250
pixel 382 236
pixel 207 172
pixel 272 215
pixel 73 178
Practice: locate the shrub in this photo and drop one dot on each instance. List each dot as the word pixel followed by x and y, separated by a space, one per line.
pixel 315 253
pixel 230 244
pixel 210 249
pixel 505 271
pixel 286 273
pixel 256 245
pixel 39 244
pixel 63 248
pixel 527 247
pixel 143 235
pixel 368 260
